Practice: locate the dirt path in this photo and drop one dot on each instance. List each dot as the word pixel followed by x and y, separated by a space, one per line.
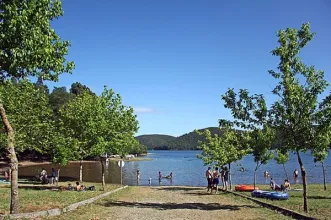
pixel 172 203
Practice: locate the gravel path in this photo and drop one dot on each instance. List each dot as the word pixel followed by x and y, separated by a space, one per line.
pixel 172 203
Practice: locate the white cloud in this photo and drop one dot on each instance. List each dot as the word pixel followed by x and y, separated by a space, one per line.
pixel 143 110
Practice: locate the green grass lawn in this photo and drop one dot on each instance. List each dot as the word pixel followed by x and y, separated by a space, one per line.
pixel 319 201
pixel 37 200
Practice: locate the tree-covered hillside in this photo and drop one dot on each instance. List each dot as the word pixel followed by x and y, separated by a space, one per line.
pixel 156 141
pixel 187 141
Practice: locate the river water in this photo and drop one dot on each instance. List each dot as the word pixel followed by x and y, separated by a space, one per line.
pixel 186 168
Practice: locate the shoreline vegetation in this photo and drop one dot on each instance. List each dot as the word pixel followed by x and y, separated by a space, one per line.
pixel 27 163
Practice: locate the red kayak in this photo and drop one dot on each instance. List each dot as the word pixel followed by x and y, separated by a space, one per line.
pixel 249 188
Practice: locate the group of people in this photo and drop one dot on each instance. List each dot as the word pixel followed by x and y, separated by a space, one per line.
pixel 295 174
pixel 213 178
pixel 167 177
pixel 44 178
pixel 78 187
pixel 160 176
pixel 283 187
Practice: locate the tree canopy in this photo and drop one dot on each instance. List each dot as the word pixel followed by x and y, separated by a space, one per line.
pixel 296 116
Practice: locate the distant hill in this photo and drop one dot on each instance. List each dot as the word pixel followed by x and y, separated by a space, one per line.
pixel 154 141
pixel 187 141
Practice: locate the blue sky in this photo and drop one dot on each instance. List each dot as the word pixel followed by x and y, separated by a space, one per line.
pixel 172 60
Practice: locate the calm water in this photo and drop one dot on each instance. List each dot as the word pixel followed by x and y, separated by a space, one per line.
pixel 187 170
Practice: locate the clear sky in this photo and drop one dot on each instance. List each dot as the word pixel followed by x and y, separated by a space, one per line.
pixel 172 60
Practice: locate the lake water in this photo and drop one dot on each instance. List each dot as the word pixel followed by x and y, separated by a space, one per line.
pixel 187 170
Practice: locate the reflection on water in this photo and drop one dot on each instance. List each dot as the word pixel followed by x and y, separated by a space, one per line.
pixel 186 168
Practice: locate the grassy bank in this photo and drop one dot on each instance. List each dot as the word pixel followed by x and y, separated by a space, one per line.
pixel 319 201
pixel 37 200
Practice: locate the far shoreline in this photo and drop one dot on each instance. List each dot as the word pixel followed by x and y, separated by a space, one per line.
pixel 26 163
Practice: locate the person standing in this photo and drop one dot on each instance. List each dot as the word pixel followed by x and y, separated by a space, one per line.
pixel 296 175
pixel 54 176
pixel 216 181
pixel 160 176
pixel 209 176
pixel 226 178
pixel 138 175
pixel 222 177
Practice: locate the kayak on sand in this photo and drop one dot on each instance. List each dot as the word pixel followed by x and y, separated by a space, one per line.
pixel 245 188
pixel 270 195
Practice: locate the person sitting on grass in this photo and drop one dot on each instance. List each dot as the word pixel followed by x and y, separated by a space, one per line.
pixel 80 187
pixel 274 186
pixel 6 176
pixel 286 185
pixel 43 176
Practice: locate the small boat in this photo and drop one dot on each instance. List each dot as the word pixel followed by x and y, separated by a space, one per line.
pixel 270 195
pixel 245 188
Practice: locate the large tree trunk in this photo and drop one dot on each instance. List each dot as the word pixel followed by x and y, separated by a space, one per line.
pixel 230 179
pixel 81 171
pixel 14 203
pixel 102 173
pixel 304 183
pixel 285 172
pixel 324 177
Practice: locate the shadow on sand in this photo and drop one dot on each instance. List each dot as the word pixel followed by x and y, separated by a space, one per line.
pixel 170 206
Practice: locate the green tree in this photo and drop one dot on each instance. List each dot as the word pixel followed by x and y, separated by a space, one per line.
pixel 261 141
pixel 78 88
pixel 58 97
pixel 77 116
pixel 222 150
pixel 30 117
pixel 321 150
pixel 99 125
pixel 297 116
pixel 281 158
pixel 32 120
pixel 28 47
pixel 63 148
pixel 251 114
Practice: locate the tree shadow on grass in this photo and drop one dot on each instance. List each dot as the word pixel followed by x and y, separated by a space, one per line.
pixel 201 193
pixel 312 197
pixel 179 188
pixel 319 197
pixel 170 206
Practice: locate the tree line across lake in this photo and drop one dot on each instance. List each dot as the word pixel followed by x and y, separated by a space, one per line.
pixel 187 141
